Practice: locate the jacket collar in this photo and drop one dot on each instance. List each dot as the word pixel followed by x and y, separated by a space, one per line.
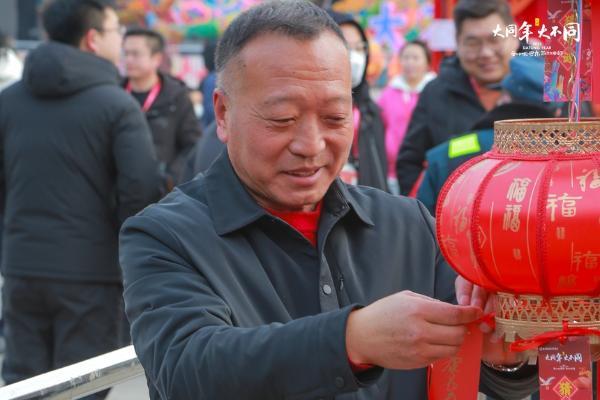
pixel 398 82
pixel 232 207
pixel 455 78
pixel 169 90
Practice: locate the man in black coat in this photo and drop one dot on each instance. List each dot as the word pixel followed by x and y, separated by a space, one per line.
pixel 247 282
pixel 164 99
pixel 468 85
pixel 76 161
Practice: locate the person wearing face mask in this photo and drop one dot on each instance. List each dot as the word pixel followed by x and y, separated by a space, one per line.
pixel 399 99
pixel 367 161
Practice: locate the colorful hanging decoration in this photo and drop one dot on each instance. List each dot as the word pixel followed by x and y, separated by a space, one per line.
pixel 567 47
pixel 183 19
pixel 596 49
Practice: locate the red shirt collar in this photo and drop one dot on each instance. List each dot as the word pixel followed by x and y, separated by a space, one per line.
pixel 305 222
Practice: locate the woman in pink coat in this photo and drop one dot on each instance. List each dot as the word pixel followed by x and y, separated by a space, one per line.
pixel 399 99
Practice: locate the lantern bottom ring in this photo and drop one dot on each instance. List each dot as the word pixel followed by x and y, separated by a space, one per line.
pixel 526 316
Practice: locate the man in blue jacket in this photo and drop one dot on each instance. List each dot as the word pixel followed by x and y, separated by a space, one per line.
pixel 249 281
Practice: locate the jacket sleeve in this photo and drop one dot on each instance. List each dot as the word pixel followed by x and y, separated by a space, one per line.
pixel 426 194
pixel 138 178
pixel 186 339
pixel 188 132
pixel 428 191
pixel 417 141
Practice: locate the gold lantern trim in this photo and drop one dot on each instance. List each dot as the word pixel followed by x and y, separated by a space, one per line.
pixel 546 136
pixel 526 316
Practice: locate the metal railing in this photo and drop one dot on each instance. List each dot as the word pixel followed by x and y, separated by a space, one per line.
pixel 78 380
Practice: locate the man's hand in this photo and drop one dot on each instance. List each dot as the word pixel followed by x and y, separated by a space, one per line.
pixel 495 350
pixel 407 330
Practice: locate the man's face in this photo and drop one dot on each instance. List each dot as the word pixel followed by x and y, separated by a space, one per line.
pixel 483 56
pixel 139 60
pixel 287 117
pixel 107 42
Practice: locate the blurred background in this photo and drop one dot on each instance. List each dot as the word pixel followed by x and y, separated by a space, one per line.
pixel 189 25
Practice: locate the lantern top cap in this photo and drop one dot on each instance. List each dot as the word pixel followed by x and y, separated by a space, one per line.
pixel 547 136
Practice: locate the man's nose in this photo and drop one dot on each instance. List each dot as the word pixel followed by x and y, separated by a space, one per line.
pixel 308 139
pixel 486 51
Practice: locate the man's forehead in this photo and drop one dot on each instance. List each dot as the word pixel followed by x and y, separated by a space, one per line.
pixel 137 42
pixel 286 57
pixel 478 27
pixel 286 95
pixel 270 41
pixel 110 15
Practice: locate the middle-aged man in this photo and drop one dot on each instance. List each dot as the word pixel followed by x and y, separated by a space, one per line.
pixel 247 282
pixel 164 99
pixel 76 159
pixel 468 85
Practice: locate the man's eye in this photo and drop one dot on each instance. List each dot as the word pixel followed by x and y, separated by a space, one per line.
pixel 282 121
pixel 336 119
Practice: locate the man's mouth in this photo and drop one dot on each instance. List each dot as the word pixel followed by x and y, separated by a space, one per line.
pixel 302 173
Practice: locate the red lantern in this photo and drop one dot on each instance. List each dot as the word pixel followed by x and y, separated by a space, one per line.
pixel 524 221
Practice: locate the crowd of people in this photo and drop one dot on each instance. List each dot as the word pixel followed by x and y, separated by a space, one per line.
pixel 270 248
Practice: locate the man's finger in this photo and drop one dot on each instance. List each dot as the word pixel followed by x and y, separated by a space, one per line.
pixel 479 297
pixel 463 289
pixel 445 335
pixel 437 352
pixel 441 313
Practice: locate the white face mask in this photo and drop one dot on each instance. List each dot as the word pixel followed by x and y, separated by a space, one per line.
pixel 358 62
pixel 198 110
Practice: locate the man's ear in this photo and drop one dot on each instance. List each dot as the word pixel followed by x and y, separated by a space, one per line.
pixel 88 41
pixel 221 105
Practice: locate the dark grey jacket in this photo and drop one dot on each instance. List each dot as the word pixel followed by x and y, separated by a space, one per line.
pixel 229 302
pixel 76 160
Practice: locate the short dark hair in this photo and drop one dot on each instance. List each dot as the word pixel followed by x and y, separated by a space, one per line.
pixel 298 19
pixel 155 40
pixel 422 45
pixel 67 21
pixel 477 9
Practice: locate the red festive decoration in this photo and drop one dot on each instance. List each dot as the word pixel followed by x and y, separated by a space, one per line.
pixel 523 221
pixel 525 217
